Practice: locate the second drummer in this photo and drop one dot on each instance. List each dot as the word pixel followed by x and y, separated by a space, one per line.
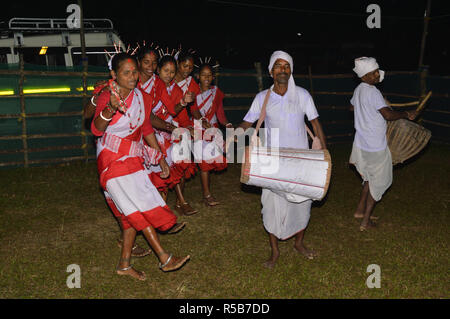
pixel 370 152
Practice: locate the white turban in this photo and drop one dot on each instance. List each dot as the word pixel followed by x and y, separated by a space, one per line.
pixel 364 65
pixel 291 92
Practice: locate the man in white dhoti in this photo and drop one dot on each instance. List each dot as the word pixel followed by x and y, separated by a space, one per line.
pixel 370 152
pixel 286 109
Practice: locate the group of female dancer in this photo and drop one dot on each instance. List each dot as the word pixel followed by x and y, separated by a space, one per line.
pixel 136 111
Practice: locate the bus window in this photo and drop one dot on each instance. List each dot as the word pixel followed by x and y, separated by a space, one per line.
pixel 3 53
pixel 53 56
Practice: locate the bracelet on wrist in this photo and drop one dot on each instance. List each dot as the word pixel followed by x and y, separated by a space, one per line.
pixel 92 101
pixel 104 118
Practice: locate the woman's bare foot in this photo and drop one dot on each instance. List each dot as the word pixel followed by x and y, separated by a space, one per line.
pixel 130 271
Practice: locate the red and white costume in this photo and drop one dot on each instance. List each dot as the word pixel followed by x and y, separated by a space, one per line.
pixel 121 153
pixel 187 85
pixel 166 97
pixel 149 87
pixel 208 152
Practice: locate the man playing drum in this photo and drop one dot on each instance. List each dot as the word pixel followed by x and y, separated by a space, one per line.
pixel 285 110
pixel 370 153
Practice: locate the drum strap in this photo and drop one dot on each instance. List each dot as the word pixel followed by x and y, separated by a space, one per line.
pixel 262 116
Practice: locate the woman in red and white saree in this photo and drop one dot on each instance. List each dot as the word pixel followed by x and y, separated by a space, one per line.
pixel 208 151
pixel 121 156
pixel 169 102
pixel 183 78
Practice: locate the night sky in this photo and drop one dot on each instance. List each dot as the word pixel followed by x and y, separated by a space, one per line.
pixel 238 33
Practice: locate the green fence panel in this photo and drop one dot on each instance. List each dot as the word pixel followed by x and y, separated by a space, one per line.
pixel 331 96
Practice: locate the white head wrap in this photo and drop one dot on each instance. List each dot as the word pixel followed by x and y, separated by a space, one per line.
pixel 291 92
pixel 364 65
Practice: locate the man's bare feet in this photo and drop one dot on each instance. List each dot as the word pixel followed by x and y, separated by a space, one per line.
pixel 130 271
pixel 308 253
pixel 270 263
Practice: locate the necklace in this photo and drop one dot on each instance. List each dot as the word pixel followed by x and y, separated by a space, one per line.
pixel 123 106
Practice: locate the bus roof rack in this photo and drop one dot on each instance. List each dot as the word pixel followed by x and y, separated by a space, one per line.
pixel 60 24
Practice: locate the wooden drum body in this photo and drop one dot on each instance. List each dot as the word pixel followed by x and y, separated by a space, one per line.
pixel 295 171
pixel 405 139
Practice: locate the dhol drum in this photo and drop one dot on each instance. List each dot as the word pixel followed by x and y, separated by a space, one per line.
pixel 298 174
pixel 405 139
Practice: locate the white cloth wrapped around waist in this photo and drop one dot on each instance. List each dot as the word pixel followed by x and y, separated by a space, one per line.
pixel 375 168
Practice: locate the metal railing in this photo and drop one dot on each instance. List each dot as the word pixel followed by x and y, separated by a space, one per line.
pixel 52 24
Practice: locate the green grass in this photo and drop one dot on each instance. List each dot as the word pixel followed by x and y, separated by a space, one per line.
pixel 56 216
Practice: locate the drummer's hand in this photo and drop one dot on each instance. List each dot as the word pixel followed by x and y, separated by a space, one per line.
pixel 411 115
pixel 165 171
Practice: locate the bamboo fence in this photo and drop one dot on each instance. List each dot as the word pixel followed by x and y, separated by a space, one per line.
pixel 23 115
pixel 84 134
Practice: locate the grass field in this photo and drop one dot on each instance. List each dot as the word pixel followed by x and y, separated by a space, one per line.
pixel 56 216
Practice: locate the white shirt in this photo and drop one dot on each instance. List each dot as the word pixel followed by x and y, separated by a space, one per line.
pixel 287 117
pixel 370 125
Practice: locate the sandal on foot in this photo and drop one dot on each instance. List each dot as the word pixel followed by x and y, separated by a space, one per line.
pixel 141 274
pixel 136 251
pixel 178 263
pixel 210 201
pixel 185 209
pixel 176 228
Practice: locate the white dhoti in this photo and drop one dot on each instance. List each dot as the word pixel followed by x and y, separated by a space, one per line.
pixel 281 217
pixel 375 168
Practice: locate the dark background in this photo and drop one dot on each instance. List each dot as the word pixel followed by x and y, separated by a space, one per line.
pixel 238 33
